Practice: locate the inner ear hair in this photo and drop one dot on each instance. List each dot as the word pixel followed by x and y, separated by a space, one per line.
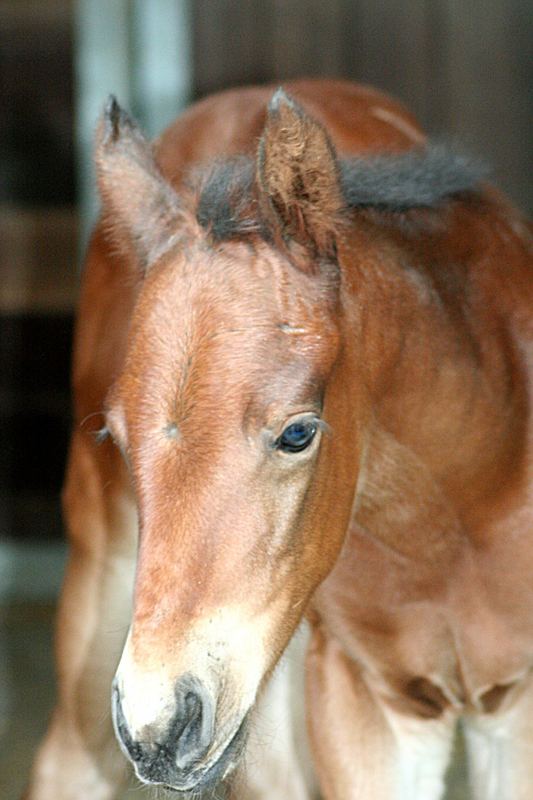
pixel 298 176
pixel 140 208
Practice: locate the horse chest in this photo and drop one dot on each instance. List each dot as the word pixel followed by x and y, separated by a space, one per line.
pixel 435 636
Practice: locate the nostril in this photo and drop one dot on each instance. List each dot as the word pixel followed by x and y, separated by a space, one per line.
pixel 186 740
pixel 192 728
pixel 189 727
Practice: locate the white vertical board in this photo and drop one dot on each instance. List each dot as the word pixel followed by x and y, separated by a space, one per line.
pixel 102 67
pixel 138 50
pixel 162 76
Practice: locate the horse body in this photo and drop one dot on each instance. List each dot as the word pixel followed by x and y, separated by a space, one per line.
pixel 444 493
pixel 399 341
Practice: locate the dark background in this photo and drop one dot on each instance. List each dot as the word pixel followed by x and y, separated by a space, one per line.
pixel 465 68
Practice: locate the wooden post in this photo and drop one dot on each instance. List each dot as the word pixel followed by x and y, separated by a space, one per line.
pixel 138 51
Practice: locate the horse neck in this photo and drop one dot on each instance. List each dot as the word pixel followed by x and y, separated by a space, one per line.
pixel 435 367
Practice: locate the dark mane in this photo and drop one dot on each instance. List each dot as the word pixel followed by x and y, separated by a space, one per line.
pixel 422 178
pixel 414 179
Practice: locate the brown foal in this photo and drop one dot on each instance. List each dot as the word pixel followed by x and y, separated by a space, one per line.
pixel 302 383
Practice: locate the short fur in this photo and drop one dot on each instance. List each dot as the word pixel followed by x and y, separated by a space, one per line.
pixel 402 533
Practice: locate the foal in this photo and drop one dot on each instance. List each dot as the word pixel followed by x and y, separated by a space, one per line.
pixel 302 391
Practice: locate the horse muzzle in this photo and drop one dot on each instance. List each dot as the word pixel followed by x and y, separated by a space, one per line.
pixel 182 753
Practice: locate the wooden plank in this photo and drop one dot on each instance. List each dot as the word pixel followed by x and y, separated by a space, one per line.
pixel 38 260
pixel 102 66
pixel 306 38
pixel 238 43
pixel 386 43
pixel 232 43
pixel 489 75
pixel 161 68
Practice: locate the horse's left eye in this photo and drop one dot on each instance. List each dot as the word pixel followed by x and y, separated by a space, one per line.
pixel 297 436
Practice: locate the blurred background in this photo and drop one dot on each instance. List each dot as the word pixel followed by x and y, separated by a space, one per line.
pixel 464 68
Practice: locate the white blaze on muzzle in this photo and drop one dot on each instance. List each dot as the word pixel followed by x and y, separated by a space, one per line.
pixel 224 650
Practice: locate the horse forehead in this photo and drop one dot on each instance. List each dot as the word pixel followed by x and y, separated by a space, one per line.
pixel 211 322
pixel 241 279
pixel 236 298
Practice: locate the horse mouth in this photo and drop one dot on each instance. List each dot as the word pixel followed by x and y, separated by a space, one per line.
pixel 208 777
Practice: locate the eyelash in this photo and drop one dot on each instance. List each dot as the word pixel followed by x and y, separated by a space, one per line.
pixel 101 435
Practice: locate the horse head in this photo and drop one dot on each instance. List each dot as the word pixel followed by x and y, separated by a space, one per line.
pixel 232 413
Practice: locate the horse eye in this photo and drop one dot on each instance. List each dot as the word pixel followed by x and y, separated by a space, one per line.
pixel 296 437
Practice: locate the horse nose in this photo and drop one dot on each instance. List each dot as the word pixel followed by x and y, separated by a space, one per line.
pixel 192 727
pixel 160 754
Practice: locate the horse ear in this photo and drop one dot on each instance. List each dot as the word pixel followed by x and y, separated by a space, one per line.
pixel 140 207
pixel 298 177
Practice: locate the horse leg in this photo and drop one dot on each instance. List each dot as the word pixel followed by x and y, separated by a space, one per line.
pixel 79 758
pixel 500 751
pixel 277 762
pixel 362 749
